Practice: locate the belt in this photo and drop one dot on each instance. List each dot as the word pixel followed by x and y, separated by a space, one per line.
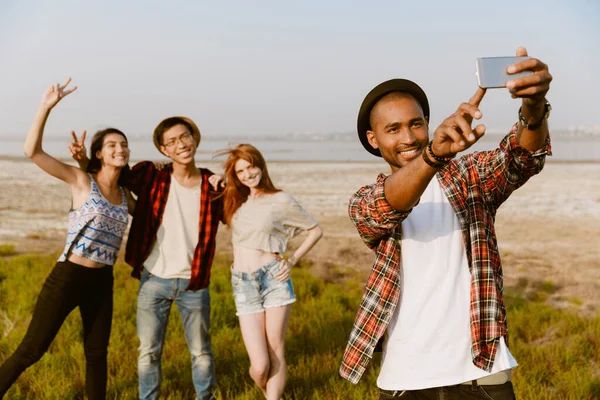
pixel 498 378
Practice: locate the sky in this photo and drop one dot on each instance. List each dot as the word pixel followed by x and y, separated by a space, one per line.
pixel 251 68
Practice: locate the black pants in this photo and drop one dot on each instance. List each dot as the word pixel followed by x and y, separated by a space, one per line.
pixel 69 285
pixel 455 392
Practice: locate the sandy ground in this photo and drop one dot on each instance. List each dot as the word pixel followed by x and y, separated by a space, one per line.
pixel 548 230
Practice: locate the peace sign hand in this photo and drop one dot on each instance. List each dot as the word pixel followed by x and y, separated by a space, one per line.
pixel 77 147
pixel 56 92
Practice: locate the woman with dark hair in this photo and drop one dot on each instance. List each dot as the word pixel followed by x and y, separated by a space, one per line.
pixel 83 275
pixel 262 218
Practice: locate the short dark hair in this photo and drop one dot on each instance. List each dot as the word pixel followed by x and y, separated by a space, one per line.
pixel 167 124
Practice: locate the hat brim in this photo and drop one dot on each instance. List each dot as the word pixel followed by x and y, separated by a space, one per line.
pixel 195 131
pixel 379 91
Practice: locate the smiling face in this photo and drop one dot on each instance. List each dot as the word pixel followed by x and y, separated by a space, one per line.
pixel 114 151
pixel 248 174
pixel 178 144
pixel 398 129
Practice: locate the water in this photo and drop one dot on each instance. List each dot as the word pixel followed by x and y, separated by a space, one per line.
pixel 345 149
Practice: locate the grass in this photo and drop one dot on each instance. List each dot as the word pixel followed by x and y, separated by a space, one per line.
pixel 7 249
pixel 558 350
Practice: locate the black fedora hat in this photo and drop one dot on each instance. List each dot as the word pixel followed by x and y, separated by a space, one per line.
pixel 387 87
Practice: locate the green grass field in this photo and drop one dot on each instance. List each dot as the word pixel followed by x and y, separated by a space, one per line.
pixel 558 351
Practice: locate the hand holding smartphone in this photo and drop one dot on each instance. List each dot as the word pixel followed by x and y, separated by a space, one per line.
pixel 491 71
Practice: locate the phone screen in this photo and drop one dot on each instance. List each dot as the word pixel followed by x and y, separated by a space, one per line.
pixel 491 71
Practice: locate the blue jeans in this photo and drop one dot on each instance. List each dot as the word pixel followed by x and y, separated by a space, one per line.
pixel 154 305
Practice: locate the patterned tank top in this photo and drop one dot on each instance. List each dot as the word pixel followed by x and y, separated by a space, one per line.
pixel 96 228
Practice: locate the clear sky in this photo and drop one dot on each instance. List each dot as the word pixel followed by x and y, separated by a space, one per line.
pixel 274 67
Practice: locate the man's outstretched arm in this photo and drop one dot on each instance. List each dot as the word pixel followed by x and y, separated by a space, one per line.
pixel 404 187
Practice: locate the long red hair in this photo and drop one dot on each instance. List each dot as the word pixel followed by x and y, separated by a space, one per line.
pixel 236 193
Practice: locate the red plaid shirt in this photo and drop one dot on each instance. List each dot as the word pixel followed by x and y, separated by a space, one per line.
pixel 475 185
pixel 151 187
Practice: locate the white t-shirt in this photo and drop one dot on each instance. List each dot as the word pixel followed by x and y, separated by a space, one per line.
pixel 428 341
pixel 172 254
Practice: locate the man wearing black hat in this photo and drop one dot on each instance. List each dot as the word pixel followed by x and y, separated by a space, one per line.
pixel 434 295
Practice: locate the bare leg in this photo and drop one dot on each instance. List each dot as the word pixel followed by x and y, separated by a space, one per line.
pixel 255 340
pixel 277 319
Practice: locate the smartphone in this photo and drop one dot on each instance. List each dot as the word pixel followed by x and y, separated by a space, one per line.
pixel 491 71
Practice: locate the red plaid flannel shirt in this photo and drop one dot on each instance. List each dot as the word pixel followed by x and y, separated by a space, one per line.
pixel 151 187
pixel 475 185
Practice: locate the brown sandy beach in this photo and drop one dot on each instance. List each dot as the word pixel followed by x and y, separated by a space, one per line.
pixel 547 231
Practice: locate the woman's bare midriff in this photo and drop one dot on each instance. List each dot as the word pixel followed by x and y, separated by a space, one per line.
pixel 250 260
pixel 84 262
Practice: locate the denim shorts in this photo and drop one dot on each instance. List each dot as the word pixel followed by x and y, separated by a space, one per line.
pixel 255 291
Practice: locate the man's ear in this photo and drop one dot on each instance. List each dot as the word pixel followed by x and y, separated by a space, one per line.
pixel 163 150
pixel 372 139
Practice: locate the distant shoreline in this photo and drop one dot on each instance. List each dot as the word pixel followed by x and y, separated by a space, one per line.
pixel 133 162
pixel 558 134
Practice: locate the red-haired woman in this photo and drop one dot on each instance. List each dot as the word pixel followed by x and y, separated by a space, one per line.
pixel 262 218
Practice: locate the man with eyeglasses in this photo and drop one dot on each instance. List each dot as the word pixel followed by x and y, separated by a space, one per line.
pixel 171 246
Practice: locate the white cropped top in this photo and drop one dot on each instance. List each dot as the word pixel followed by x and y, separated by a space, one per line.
pixel 267 223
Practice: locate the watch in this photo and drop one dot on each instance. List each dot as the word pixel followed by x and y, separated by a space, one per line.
pixel 537 124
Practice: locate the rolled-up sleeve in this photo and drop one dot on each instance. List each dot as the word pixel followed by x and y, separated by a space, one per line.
pixel 526 160
pixel 509 166
pixel 372 214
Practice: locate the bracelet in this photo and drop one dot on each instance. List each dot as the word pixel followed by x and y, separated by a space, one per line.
pixel 430 162
pixel 439 158
pixel 537 124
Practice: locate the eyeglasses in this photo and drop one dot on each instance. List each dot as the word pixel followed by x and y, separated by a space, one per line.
pixel 184 138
